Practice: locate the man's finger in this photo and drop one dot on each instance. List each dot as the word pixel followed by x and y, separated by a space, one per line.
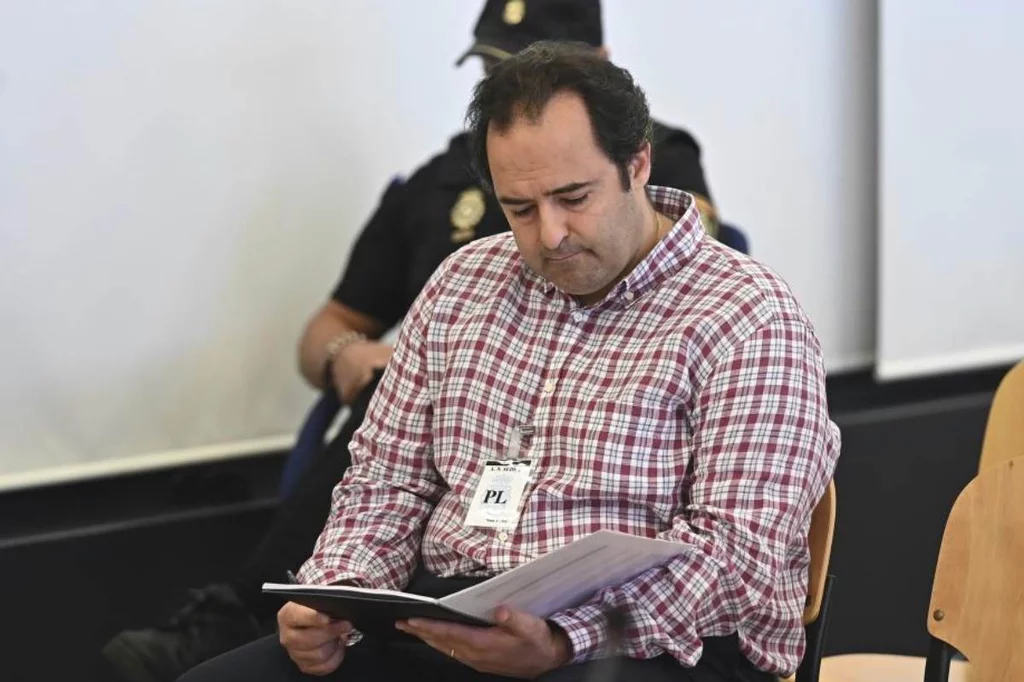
pixel 429 637
pixel 315 656
pixel 307 639
pixel 424 633
pixel 299 616
pixel 440 628
pixel 339 627
pixel 318 656
pixel 328 666
pixel 518 623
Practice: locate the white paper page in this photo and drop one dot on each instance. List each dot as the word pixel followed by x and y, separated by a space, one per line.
pixel 567 576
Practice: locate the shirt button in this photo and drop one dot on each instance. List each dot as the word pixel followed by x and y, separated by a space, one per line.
pixel 576 317
pixel 549 386
pixel 503 536
pixel 630 295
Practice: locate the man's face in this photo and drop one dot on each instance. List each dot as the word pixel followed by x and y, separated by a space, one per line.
pixel 571 219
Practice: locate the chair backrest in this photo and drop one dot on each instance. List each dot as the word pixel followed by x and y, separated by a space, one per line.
pixel 819 539
pixel 978 595
pixel 823 524
pixel 309 441
pixel 1004 431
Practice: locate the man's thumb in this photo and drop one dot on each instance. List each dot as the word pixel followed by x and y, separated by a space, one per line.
pixel 513 621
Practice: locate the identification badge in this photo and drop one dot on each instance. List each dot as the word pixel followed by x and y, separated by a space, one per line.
pixel 499 495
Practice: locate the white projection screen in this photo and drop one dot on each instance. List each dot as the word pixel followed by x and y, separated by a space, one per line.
pixel 951 215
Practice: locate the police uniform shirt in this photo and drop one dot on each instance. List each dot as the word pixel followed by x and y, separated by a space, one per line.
pixel 421 222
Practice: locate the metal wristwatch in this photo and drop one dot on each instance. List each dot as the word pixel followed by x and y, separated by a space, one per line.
pixel 334 346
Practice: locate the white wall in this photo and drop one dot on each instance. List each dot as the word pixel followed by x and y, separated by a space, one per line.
pixel 952 163
pixel 180 182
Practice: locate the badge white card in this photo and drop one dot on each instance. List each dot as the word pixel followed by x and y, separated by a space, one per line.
pixel 499 495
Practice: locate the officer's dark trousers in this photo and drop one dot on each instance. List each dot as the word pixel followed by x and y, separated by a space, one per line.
pixel 369 661
pixel 299 519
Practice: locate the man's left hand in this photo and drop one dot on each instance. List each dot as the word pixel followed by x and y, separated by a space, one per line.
pixel 520 645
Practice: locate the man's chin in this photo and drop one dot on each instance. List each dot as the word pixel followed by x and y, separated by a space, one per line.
pixel 573 288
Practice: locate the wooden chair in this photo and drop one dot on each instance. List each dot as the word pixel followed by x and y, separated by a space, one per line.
pixel 819 585
pixel 1004 431
pixel 1004 440
pixel 977 595
pixel 883 668
pixel 977 604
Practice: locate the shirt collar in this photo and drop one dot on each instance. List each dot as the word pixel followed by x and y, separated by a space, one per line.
pixel 667 257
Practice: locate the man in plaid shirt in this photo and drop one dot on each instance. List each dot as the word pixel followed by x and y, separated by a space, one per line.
pixel 659 384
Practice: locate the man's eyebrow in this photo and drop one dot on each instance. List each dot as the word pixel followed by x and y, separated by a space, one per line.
pixel 564 189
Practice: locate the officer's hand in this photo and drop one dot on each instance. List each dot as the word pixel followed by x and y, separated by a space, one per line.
pixel 353 367
pixel 313 641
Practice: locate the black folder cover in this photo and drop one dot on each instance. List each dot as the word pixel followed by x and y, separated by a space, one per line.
pixel 371 613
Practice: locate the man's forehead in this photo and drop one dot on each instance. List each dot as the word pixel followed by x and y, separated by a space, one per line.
pixel 522 170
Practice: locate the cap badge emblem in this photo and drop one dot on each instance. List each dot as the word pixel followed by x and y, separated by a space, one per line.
pixel 515 10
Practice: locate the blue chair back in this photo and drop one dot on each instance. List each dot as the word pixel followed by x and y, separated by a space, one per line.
pixel 310 440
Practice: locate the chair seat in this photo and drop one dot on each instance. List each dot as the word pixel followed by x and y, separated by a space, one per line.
pixel 882 668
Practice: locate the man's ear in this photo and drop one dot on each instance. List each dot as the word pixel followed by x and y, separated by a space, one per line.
pixel 604 52
pixel 640 167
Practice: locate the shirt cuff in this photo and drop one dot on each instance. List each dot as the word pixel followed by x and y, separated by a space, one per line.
pixel 587 631
pixel 312 574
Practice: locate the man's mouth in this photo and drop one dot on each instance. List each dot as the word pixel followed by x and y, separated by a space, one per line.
pixel 563 258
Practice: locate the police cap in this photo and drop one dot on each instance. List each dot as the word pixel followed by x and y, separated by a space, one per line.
pixel 507 26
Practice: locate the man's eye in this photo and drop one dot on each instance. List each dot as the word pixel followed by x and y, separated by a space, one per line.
pixel 575 201
pixel 522 212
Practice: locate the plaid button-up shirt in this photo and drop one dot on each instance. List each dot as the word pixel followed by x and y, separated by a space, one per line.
pixel 688 405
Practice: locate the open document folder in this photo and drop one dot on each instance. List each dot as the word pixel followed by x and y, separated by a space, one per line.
pixel 556 581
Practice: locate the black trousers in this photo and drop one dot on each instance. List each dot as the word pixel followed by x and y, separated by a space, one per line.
pixel 370 660
pixel 266 661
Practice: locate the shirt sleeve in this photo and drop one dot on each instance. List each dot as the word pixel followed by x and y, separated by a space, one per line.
pixel 379 509
pixel 373 281
pixel 764 449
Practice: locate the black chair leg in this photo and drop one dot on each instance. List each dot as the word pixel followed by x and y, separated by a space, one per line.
pixel 810 666
pixel 936 668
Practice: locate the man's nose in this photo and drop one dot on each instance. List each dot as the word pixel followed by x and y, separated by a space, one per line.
pixel 553 230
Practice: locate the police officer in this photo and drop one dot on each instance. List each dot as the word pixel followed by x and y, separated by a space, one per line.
pixel 418 223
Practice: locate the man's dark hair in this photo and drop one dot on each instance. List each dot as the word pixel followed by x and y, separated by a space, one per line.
pixel 523 84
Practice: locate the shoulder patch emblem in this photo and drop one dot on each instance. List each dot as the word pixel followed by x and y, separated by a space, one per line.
pixel 466 214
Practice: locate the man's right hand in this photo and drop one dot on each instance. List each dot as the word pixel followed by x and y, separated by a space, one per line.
pixel 313 641
pixel 354 365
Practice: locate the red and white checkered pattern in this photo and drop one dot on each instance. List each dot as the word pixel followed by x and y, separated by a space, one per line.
pixel 688 405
